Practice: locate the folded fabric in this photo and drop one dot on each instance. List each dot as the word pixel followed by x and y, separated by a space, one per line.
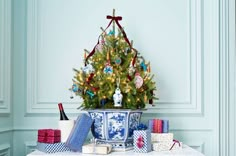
pixel 97 148
pixel 52 148
pixel 79 133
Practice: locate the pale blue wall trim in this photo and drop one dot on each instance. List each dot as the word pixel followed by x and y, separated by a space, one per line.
pixel 5 56
pixel 232 76
pixel 6 130
pixel 5 149
pixel 192 106
pixel 225 78
pixel 30 146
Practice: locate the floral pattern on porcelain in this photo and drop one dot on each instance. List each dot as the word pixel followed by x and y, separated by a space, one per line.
pixel 116 125
pixel 98 126
pixel 133 123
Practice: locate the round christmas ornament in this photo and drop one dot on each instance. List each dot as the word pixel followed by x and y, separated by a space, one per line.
pixel 108 69
pixel 117 60
pixel 100 45
pixel 138 80
pixel 88 69
pixel 131 69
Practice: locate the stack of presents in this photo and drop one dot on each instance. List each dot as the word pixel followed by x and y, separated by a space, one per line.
pixel 154 137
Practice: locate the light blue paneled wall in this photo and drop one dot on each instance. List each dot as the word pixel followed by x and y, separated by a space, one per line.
pixel 186 41
pixel 6 119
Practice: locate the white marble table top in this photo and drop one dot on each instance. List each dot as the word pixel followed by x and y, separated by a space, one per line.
pixel 186 151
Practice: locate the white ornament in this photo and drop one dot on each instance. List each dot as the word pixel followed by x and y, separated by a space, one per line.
pixel 138 80
pixel 88 69
pixel 117 97
pixel 131 69
pixel 108 69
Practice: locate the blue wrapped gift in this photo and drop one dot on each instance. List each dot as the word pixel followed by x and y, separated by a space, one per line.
pixel 142 141
pixel 52 148
pixel 79 133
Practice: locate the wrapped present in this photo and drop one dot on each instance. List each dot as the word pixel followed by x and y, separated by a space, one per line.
pixel 142 141
pixel 166 146
pixel 48 139
pixel 79 132
pixel 157 126
pixel 97 148
pixel 150 125
pixel 49 135
pixel 52 148
pixel 162 137
pixel 165 126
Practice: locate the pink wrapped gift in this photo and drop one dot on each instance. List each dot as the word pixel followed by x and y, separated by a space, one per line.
pixel 49 135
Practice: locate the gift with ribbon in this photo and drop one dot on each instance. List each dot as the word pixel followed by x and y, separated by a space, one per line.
pixel 162 137
pixel 52 147
pixel 142 139
pixel 49 136
pixel 167 145
pixel 79 133
pixel 93 148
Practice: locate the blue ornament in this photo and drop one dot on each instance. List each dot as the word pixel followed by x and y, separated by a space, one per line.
pixel 118 60
pixel 143 66
pixel 103 102
pixel 111 32
pixel 75 88
pixel 108 69
pixel 90 94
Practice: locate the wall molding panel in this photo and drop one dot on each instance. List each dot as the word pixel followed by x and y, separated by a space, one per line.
pixel 30 146
pixel 5 149
pixel 195 100
pixel 227 77
pixel 5 51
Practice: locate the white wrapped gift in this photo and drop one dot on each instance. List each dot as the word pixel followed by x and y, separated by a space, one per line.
pixel 162 137
pixel 166 146
pixel 96 148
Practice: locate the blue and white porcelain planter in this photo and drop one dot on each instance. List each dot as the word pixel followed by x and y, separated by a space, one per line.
pixel 115 127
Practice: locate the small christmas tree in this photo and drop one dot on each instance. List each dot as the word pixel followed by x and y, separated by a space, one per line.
pixel 114 75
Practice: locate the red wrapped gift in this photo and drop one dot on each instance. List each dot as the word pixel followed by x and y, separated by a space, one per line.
pixel 49 135
pixel 157 126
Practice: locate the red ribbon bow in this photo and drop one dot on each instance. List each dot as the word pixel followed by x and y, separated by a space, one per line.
pixel 116 19
pixel 175 141
pixel 140 142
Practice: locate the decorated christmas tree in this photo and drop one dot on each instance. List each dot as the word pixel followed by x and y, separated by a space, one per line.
pixel 114 75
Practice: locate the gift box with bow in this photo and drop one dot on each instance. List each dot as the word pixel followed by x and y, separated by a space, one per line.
pixel 93 148
pixel 142 141
pixel 49 136
pixel 167 145
pixel 162 137
pixel 52 148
